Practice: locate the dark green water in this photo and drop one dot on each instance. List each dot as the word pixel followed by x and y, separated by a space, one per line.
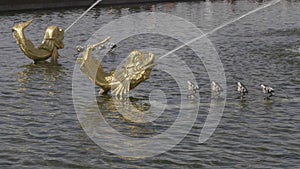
pixel 39 126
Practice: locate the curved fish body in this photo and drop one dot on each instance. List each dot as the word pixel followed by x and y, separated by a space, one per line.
pixel 53 40
pixel 136 70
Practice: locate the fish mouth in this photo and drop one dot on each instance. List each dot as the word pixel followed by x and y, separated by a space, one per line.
pixel 149 62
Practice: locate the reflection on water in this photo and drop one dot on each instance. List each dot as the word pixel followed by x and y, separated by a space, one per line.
pixel 128 114
pixel 128 133
pixel 140 112
pixel 34 73
pixel 131 109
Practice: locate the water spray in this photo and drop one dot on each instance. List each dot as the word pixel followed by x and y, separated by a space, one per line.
pixel 82 15
pixel 222 26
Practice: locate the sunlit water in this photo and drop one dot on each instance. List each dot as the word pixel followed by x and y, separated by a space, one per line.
pixel 40 129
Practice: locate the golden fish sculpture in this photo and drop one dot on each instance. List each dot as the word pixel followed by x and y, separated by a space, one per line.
pixel 137 69
pixel 53 40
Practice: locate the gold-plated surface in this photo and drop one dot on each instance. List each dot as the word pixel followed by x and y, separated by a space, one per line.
pixel 53 40
pixel 136 70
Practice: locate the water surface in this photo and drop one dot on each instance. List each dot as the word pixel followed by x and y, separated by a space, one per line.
pixel 39 125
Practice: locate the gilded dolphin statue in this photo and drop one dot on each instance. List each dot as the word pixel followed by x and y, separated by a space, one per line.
pixel 53 40
pixel 137 69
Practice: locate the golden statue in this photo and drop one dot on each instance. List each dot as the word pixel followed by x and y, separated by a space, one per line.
pixel 136 70
pixel 53 40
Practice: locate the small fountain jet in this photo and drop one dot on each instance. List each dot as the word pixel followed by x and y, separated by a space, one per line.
pixel 268 91
pixel 242 90
pixel 112 46
pixel 216 88
pixel 193 88
pixel 79 48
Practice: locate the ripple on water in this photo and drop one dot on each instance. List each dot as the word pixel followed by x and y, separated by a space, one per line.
pixel 39 126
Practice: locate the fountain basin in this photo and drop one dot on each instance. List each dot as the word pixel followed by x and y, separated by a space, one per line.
pixel 7 5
